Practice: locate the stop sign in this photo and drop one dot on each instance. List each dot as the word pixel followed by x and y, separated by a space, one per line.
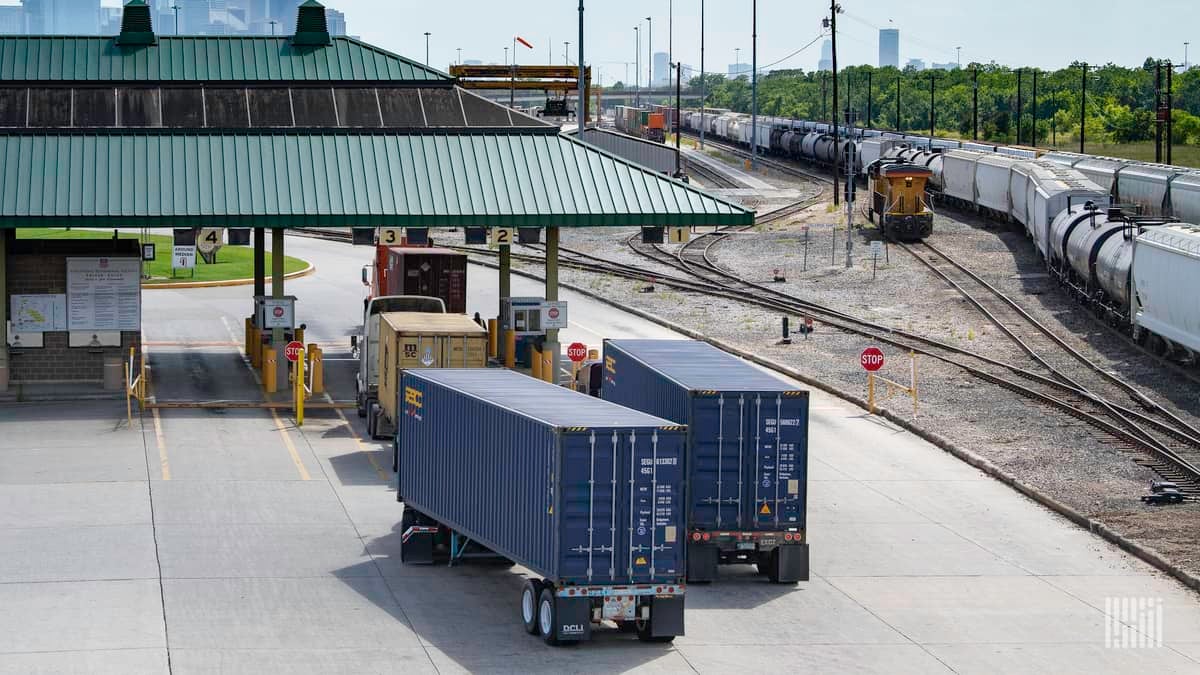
pixel 293 350
pixel 871 359
pixel 278 312
pixel 552 313
pixel 577 352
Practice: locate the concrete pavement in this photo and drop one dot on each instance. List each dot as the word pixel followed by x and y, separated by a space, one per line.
pixel 229 541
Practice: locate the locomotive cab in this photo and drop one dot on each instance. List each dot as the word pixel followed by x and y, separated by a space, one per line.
pixel 898 200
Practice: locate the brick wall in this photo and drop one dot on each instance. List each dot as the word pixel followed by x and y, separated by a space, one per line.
pixel 38 267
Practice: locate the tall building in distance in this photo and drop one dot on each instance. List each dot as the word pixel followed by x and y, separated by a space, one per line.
pixel 737 70
pixel 889 47
pixel 826 62
pixel 915 64
pixel 662 70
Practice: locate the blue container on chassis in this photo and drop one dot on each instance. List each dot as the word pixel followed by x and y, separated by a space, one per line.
pixel 585 493
pixel 747 457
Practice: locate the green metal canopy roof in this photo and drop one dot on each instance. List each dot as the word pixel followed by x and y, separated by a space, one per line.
pixel 207 59
pixel 340 179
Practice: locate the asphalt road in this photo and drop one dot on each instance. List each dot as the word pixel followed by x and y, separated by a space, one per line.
pixel 231 541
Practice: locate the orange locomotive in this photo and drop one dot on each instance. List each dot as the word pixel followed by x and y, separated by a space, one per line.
pixel 898 199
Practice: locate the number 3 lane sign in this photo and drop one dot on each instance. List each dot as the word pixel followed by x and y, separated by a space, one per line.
pixel 871 359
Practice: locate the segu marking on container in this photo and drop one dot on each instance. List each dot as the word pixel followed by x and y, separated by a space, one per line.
pixel 632 473
pixel 591 501
pixel 720 451
pixel 778 427
pixel 612 555
pixel 741 453
pixel 653 497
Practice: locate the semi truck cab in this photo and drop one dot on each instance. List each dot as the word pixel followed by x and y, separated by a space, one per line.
pixel 366 343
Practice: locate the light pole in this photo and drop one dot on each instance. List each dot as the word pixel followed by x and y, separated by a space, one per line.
pixel 459 56
pixel 737 61
pixel 1185 59
pixel 175 8
pixel 754 85
pixel 649 53
pixel 427 34
pixel 581 111
pixel 566 48
pixel 671 33
pixel 959 50
pixel 637 67
pixel 831 24
pixel 506 56
pixel 702 84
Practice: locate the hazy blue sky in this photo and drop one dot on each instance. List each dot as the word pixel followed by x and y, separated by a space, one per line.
pixel 1042 33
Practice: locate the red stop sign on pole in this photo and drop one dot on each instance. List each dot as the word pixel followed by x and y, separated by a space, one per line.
pixel 871 359
pixel 293 350
pixel 577 352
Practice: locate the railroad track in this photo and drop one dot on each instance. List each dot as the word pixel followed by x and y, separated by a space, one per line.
pixel 712 177
pixel 1169 433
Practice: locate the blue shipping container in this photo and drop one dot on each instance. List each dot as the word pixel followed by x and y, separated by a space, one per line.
pixel 747 457
pixel 584 493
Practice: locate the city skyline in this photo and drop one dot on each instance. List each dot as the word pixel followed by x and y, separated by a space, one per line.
pixel 169 17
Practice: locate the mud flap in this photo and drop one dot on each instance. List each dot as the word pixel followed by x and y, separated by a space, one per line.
pixel 573 617
pixel 793 563
pixel 666 616
pixel 702 562
pixel 416 545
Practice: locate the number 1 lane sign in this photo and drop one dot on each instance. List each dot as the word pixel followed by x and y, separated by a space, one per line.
pixel 871 359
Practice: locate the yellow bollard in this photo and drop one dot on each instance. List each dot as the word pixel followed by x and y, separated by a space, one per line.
pixel 268 369
pixel 593 354
pixel 510 349
pixel 535 362
pixel 548 373
pixel 493 338
pixel 298 336
pixel 316 364
pixel 256 353
pixel 249 334
pixel 298 390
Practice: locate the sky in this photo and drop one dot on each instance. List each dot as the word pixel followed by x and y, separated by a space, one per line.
pixel 1045 34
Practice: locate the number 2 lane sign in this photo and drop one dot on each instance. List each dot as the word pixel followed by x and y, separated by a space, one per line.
pixel 871 359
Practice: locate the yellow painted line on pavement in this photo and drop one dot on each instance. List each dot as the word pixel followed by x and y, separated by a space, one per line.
pixel 358 441
pixel 291 447
pixel 162 446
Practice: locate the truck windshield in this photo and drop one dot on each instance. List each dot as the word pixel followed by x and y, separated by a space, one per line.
pixel 411 303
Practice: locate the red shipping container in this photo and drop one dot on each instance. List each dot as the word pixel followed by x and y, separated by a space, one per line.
pixel 434 272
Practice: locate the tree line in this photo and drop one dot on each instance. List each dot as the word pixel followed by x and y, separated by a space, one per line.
pixel 1120 101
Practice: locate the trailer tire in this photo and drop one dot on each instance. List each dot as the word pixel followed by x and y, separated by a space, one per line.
pixel 531 595
pixel 547 617
pixel 361 407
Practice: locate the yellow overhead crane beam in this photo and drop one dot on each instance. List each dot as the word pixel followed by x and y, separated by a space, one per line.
pixel 524 78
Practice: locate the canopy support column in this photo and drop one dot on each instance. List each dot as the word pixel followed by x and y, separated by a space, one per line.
pixel 505 292
pixel 5 236
pixel 260 263
pixel 551 347
pixel 278 339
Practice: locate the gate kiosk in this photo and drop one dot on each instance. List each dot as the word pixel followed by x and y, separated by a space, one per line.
pixel 523 316
pixel 275 321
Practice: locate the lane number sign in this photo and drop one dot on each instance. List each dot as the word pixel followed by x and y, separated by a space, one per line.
pixel 871 359
pixel 390 236
pixel 577 352
pixel 503 236
pixel 293 351
pixel 679 235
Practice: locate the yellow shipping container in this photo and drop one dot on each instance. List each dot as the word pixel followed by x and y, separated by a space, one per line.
pixel 423 340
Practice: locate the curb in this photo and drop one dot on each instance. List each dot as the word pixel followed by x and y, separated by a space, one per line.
pixel 311 269
pixel 1144 553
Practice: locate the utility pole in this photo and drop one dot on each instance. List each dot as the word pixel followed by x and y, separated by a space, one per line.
pixel 831 24
pixel 1035 111
pixel 1170 104
pixel 1185 56
pixel 1158 113
pixel 678 105
pixel 427 34
pixel 512 86
pixel 754 85
pixel 1019 106
pixel 975 104
pixel 671 33
pixel 825 97
pixel 1083 109
pixel 932 101
pixel 867 123
pixel 703 85
pixel 897 103
pixel 581 112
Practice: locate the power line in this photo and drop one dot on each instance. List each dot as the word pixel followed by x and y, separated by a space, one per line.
pixel 789 56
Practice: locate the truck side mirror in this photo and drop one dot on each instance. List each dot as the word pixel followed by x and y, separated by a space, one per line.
pixel 353 342
pixel 366 275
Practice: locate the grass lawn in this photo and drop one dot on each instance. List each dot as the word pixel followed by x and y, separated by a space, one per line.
pixel 233 262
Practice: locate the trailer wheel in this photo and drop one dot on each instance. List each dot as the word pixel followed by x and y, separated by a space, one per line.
pixel 362 405
pixel 547 619
pixel 531 596
pixel 373 422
